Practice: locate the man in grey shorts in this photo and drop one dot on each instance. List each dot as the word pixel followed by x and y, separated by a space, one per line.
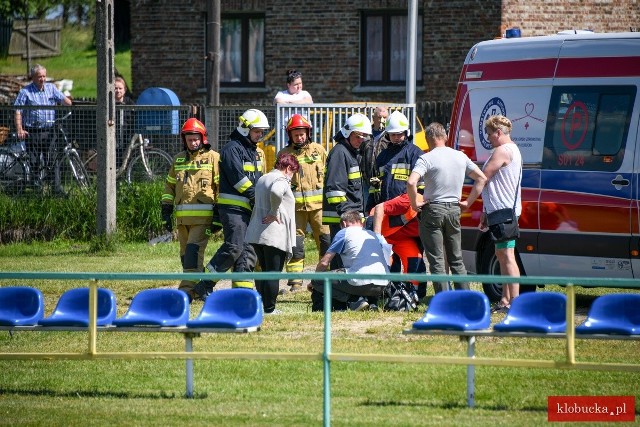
pixel 443 170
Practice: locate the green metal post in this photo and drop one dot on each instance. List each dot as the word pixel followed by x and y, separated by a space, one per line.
pixel 325 357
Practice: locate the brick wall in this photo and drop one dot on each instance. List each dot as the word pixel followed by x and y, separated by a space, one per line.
pixel 323 39
pixel 537 18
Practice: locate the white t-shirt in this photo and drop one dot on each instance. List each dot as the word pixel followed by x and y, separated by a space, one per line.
pixel 361 252
pixel 284 97
pixel 443 170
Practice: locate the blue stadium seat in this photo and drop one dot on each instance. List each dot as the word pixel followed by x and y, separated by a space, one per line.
pixel 157 307
pixel 230 308
pixel 73 309
pixel 456 310
pixel 542 312
pixel 20 306
pixel 613 314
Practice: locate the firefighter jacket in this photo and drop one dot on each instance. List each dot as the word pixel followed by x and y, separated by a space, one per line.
pixel 342 183
pixel 241 165
pixel 307 183
pixel 192 186
pixel 394 165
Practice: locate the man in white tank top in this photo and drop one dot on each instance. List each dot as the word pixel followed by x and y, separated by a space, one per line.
pixel 503 170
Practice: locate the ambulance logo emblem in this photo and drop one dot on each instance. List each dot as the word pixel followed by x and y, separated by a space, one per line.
pixel 491 108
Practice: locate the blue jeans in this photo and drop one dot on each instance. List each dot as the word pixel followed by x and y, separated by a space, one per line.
pixel 440 233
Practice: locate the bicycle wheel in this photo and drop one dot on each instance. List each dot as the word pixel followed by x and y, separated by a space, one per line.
pixel 153 167
pixel 14 174
pixel 71 176
pixel 90 163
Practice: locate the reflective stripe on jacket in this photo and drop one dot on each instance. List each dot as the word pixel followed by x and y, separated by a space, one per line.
pixel 342 184
pixel 393 223
pixel 241 165
pixel 308 182
pixel 192 186
pixel 395 164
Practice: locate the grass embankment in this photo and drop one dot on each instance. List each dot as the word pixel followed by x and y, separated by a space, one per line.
pixel 77 61
pixel 241 392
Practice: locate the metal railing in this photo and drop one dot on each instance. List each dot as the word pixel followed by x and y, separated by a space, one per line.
pixel 327 119
pixel 327 355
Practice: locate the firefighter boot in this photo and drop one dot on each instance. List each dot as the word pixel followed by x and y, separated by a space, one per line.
pixel 294 266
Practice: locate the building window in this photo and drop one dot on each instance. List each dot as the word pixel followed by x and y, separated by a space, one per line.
pixel 242 50
pixel 384 48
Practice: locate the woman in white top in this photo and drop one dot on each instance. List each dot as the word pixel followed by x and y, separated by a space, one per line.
pixel 294 93
pixel 503 170
pixel 272 228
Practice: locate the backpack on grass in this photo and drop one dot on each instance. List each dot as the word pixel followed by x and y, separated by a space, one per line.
pixel 400 296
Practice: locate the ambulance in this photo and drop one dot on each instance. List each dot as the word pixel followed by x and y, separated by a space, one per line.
pixel 573 101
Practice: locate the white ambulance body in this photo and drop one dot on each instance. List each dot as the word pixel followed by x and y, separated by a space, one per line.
pixel 573 101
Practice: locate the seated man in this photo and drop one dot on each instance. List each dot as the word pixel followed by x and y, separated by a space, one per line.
pixel 361 251
pixel 398 223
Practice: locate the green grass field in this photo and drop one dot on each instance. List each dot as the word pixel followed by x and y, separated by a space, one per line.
pixel 76 62
pixel 266 392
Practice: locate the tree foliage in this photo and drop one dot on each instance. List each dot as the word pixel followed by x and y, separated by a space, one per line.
pixel 79 11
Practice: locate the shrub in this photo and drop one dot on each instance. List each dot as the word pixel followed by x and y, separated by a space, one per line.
pixel 35 217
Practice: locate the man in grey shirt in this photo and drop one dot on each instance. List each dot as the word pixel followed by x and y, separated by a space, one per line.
pixel 443 169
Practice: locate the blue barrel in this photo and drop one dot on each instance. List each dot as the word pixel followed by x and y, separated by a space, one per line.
pixel 158 122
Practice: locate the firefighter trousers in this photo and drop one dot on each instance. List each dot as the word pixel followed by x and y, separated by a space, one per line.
pixel 320 233
pixel 193 241
pixel 234 253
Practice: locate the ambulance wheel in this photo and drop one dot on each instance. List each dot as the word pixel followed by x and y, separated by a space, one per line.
pixel 489 265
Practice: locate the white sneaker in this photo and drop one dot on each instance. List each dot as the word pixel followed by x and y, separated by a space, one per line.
pixel 274 312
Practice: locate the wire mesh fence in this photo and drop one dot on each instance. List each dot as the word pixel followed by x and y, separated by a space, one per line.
pixel 158 126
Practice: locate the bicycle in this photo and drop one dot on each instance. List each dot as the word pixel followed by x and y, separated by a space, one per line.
pixel 141 162
pixel 14 168
pixel 60 169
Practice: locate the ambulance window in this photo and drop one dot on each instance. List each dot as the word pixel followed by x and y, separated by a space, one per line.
pixel 587 127
pixel 611 124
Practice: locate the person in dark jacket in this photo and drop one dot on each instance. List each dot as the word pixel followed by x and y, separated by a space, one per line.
pixel 241 165
pixel 370 151
pixel 343 181
pixel 396 161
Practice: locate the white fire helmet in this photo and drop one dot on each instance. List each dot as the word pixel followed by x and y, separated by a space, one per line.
pixel 359 123
pixel 252 119
pixel 396 123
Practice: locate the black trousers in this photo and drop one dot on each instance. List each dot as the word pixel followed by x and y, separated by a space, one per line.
pixel 270 259
pixel 40 141
pixel 336 262
pixel 234 252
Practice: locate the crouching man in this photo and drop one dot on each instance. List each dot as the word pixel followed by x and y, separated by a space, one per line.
pixel 361 251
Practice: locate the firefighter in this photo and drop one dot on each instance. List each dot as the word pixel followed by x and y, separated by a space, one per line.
pixel 307 189
pixel 342 190
pixel 241 165
pixel 395 161
pixel 191 190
